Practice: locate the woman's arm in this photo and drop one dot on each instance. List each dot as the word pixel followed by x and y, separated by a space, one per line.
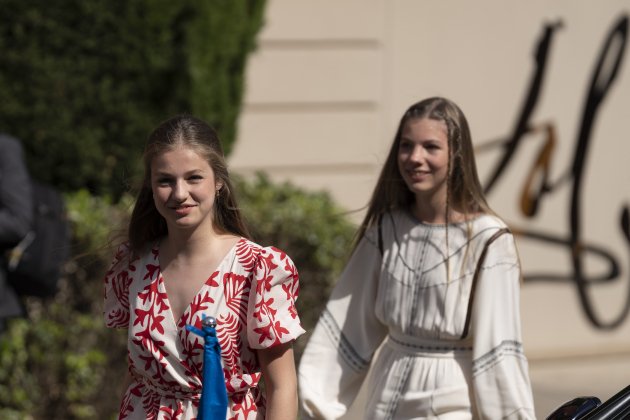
pixel 278 370
pixel 501 384
pixel 336 359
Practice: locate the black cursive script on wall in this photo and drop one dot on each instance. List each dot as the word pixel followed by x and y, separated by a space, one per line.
pixel 538 184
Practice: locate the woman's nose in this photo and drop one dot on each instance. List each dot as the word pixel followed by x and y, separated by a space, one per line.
pixel 417 154
pixel 180 192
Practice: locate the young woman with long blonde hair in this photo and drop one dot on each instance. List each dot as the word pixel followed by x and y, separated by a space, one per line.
pixel 432 284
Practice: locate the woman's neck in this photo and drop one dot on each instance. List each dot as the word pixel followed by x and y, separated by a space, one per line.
pixel 436 213
pixel 188 244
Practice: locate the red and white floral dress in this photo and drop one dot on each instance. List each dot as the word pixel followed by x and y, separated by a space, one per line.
pixel 252 295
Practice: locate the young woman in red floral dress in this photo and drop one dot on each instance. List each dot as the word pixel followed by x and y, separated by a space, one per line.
pixel 187 256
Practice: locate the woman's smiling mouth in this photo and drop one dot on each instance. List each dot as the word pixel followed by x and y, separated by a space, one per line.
pixel 182 210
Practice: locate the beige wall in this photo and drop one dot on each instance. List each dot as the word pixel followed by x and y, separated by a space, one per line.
pixel 331 78
pixel 315 97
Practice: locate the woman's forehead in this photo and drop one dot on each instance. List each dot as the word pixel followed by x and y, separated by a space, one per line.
pixel 425 127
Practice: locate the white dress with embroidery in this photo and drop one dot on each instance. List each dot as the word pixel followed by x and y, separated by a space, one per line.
pixel 404 304
pixel 252 295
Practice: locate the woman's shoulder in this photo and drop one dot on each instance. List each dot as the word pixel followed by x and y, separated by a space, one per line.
pixel 120 252
pixel 245 244
pixel 125 256
pixel 379 228
pixel 254 251
pixel 489 227
pixel 397 218
pixel 488 222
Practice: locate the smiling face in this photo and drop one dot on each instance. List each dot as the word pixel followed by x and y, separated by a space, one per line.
pixel 423 156
pixel 184 189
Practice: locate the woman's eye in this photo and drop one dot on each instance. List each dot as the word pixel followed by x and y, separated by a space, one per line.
pixel 405 146
pixel 163 181
pixel 195 178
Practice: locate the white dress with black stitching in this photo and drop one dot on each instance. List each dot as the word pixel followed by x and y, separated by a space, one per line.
pixel 403 303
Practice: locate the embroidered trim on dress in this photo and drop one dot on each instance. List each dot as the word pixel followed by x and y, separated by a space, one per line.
pixel 496 355
pixel 430 348
pixel 402 382
pixel 349 354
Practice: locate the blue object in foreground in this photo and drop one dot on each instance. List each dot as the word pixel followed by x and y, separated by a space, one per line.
pixel 214 400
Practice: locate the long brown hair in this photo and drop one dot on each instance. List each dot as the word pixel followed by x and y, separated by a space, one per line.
pixel 146 224
pixel 464 191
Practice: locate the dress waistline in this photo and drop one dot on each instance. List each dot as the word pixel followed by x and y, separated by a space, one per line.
pixel 176 392
pixel 430 347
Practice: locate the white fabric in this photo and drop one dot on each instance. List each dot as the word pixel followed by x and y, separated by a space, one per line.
pixel 405 303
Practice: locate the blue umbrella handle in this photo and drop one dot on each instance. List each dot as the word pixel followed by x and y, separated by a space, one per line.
pixel 214 401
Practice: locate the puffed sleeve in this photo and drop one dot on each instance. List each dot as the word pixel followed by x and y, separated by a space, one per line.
pixel 117 281
pixel 338 354
pixel 272 315
pixel 501 384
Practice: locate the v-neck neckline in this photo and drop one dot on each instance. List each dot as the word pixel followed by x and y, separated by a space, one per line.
pixel 162 284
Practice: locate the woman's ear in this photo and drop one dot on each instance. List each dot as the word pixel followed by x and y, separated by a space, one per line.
pixel 218 186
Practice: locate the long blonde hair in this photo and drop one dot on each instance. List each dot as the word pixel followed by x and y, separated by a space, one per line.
pixel 464 191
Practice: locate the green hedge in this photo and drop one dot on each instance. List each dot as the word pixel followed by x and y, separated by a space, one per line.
pixel 61 363
pixel 82 82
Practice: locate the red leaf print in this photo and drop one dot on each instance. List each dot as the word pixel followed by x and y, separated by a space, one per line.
pixel 148 361
pixel 266 304
pixel 120 286
pixel 267 260
pixel 280 252
pixel 242 410
pixel 126 407
pixel 118 318
pixel 173 413
pixel 247 254
pixel 267 283
pixel 228 334
pixel 140 316
pixel 280 329
pixel 287 289
pixel 157 324
pixel 264 332
pixel 151 270
pixel 211 280
pixel 236 289
pixel 201 302
pixel 151 405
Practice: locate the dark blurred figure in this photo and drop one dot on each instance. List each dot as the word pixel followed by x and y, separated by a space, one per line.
pixel 16 213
